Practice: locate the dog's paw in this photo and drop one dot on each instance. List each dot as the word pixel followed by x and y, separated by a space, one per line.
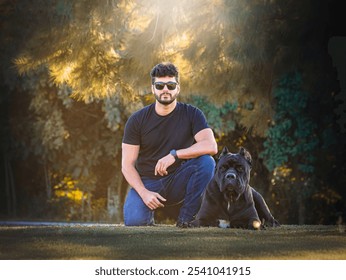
pixel 255 225
pixel 224 224
pixel 272 223
pixel 203 223
pixel 194 223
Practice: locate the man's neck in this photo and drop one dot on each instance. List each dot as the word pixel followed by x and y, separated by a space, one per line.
pixel 164 110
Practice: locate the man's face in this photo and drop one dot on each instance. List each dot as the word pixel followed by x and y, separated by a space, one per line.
pixel 165 95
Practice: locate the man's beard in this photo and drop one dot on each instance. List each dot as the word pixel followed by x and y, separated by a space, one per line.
pixel 164 101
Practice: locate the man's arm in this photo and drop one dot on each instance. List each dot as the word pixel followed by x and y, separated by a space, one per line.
pixel 205 145
pixel 129 158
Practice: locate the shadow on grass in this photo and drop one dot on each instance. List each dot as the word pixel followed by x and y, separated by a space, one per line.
pixel 169 242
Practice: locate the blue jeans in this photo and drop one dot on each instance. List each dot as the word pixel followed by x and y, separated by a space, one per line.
pixel 185 185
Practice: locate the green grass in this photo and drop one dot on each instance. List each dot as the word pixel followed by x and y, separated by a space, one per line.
pixel 168 242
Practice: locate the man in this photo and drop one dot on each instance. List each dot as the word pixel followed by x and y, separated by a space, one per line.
pixel 166 153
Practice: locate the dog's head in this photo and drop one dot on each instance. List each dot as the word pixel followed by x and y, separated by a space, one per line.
pixel 232 173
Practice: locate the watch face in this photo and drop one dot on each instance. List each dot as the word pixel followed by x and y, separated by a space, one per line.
pixel 174 153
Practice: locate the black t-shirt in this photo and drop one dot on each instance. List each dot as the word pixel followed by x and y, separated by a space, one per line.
pixel 158 135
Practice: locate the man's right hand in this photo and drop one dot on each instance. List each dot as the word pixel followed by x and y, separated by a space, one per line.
pixel 152 199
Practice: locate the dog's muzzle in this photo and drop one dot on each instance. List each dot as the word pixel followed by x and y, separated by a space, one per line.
pixel 231 176
pixel 231 190
pixel 231 195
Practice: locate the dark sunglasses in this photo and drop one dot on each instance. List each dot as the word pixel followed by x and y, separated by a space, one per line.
pixel 161 85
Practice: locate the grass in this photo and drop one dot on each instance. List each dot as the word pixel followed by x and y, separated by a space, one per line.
pixel 82 242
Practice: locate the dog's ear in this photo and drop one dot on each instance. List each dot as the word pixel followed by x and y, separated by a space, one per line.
pixel 246 155
pixel 224 152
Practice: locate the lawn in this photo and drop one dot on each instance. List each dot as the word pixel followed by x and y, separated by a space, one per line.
pixel 165 242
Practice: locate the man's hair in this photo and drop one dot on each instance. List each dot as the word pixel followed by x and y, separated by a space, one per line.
pixel 163 70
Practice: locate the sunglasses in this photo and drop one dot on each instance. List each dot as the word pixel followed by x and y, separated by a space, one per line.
pixel 161 85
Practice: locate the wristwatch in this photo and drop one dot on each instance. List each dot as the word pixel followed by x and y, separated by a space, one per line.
pixel 174 153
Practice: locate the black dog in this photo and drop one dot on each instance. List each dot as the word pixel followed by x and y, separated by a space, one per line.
pixel 229 197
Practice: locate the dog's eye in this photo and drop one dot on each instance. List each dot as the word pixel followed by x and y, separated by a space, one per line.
pixel 223 168
pixel 240 168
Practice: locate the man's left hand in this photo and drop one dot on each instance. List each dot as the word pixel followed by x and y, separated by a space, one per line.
pixel 163 164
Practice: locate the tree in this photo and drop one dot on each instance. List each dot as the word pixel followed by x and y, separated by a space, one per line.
pixel 85 64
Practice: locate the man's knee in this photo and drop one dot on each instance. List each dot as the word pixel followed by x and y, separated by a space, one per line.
pixel 207 163
pixel 130 222
pixel 134 217
pixel 136 213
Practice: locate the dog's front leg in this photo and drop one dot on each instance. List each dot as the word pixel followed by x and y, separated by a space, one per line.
pixel 263 210
pixel 209 211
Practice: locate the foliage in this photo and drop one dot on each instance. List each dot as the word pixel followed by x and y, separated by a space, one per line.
pixel 84 68
pixel 102 50
pixel 67 188
pixel 291 140
pixel 73 138
pixel 299 148
pixel 221 118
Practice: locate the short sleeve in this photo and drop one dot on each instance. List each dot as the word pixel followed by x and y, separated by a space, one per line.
pixel 199 121
pixel 131 131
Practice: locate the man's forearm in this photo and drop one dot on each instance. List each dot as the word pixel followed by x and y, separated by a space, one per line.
pixel 151 199
pixel 198 149
pixel 133 179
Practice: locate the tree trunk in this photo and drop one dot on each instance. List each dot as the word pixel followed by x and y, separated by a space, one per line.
pixel 48 182
pixel 301 209
pixel 113 205
pixel 10 189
